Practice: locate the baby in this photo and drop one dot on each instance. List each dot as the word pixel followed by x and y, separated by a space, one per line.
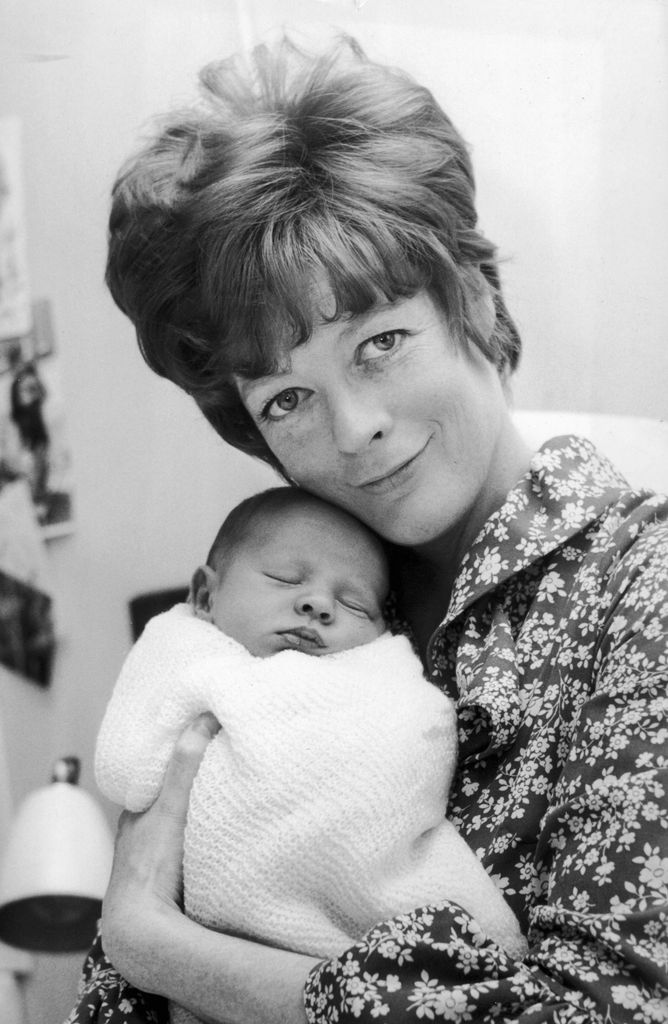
pixel 289 572
pixel 319 808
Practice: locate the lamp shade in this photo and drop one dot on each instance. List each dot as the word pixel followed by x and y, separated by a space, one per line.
pixel 56 867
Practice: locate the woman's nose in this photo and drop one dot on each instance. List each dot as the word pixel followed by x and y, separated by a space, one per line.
pixel 316 606
pixel 357 419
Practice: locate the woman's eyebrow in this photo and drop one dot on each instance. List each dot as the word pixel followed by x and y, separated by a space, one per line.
pixel 357 321
pixel 245 384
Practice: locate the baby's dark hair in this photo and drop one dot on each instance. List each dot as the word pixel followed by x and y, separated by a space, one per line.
pixel 245 518
pixel 290 165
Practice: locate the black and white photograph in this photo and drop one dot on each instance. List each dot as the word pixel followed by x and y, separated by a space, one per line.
pixel 333 512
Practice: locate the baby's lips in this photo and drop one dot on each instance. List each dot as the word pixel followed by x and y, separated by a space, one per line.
pixel 304 636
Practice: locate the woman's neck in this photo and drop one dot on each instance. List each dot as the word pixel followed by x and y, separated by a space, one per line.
pixel 508 463
pixel 425 574
pixel 423 593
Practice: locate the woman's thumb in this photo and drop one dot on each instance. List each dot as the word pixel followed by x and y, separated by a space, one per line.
pixel 185 762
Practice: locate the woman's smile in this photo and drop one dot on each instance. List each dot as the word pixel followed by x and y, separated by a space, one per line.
pixel 390 480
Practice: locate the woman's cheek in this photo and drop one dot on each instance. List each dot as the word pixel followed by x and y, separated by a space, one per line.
pixel 298 448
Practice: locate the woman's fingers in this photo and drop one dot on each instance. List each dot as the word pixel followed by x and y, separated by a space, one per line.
pixel 171 806
pixel 184 764
pixel 147 869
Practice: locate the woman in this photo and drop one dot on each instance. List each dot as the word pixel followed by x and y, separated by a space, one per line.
pixel 300 253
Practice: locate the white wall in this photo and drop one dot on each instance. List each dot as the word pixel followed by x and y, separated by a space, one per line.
pixel 564 103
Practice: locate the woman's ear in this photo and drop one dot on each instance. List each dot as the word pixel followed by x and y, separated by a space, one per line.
pixel 202 588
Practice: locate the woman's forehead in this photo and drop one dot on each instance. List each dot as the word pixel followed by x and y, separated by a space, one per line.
pixel 325 307
pixel 321 298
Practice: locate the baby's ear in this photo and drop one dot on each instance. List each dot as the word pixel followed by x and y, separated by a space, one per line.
pixel 202 588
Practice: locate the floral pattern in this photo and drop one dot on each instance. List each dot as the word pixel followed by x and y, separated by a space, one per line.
pixel 555 647
pixel 105 997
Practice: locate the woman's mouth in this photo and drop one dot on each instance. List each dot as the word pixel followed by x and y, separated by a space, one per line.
pixel 393 477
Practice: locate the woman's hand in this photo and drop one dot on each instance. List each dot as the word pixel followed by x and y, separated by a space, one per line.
pixel 145 889
pixel 220 978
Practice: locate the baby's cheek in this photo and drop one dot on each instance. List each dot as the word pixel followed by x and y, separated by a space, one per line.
pixel 369 630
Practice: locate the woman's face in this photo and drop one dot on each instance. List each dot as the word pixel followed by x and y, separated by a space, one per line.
pixel 386 416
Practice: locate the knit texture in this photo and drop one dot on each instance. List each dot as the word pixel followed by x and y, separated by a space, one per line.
pixel 319 808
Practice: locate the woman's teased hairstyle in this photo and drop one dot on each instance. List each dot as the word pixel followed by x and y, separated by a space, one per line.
pixel 288 166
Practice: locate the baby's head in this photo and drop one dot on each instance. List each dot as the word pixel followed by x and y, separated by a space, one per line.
pixel 287 571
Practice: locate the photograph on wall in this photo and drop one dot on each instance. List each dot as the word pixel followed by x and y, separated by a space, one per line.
pixel 33 442
pixel 14 290
pixel 27 633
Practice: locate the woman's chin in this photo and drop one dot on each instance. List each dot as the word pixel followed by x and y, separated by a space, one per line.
pixel 411 531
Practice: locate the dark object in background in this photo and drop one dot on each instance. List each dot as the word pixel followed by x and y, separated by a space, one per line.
pixel 145 606
pixel 27 639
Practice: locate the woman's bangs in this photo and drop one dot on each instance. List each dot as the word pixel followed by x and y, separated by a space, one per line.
pixel 359 270
pixel 381 252
pixel 280 300
pixel 363 270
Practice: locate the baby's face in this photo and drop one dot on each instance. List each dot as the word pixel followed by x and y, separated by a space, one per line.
pixel 308 581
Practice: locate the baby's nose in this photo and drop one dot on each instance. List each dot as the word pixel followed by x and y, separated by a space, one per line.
pixel 316 606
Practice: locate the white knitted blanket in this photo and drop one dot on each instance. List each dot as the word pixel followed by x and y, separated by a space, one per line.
pixel 319 808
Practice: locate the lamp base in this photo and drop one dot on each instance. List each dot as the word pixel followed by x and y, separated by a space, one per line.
pixel 50 924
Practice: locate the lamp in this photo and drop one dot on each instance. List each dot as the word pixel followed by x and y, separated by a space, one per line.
pixel 56 867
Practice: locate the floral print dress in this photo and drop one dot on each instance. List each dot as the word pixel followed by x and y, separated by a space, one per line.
pixel 555 648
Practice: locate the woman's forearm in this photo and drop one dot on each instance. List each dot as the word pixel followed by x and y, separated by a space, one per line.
pixel 222 978
pixel 157 949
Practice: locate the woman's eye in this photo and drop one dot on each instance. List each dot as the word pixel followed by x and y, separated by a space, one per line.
pixel 379 345
pixel 282 404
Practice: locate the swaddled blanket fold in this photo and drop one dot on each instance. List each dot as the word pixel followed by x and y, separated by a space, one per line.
pixel 319 808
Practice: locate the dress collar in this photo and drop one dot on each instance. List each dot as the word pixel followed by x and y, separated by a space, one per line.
pixel 568 485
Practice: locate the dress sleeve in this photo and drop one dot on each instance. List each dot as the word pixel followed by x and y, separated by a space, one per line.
pixel 598 952
pixel 104 997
